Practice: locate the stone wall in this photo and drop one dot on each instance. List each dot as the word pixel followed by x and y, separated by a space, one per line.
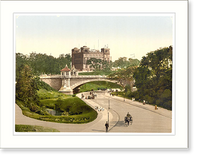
pixel 55 83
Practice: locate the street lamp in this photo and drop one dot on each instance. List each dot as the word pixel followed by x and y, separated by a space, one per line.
pixel 108 109
pixel 108 117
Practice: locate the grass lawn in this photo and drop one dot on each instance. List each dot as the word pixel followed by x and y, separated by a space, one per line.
pixel 44 94
pixel 31 128
pixel 71 109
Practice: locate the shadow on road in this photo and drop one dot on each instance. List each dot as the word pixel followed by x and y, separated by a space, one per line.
pixel 121 124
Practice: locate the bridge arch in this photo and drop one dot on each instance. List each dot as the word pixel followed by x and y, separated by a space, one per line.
pixel 69 84
pixel 78 84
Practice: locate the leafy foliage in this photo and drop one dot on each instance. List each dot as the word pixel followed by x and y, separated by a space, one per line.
pixel 153 78
pixel 123 74
pixel 42 63
pixel 98 64
pixel 26 87
pixel 124 62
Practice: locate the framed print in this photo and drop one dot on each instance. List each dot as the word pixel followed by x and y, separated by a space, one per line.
pixel 94 74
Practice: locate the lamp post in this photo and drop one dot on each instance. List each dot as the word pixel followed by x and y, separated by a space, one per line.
pixel 108 117
pixel 108 109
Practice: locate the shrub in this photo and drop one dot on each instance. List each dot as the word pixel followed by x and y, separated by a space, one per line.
pixel 136 95
pixel 149 99
pixel 168 105
pixel 166 95
pixel 158 102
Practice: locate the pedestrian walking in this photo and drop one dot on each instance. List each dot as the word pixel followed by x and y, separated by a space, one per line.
pixel 107 125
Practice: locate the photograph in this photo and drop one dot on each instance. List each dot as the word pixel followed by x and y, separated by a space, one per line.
pixel 99 73
pixel 94 75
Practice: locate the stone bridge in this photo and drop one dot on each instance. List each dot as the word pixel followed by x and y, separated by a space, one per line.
pixel 69 84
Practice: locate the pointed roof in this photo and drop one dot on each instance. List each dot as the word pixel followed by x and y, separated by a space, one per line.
pixel 66 69
pixel 73 68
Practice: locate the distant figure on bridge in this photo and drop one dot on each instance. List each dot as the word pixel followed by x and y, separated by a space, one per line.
pixel 107 125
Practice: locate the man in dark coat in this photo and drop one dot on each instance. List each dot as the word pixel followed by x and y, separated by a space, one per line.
pixel 107 125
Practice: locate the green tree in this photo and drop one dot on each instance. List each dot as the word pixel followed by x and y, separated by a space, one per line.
pixel 26 87
pixel 42 63
pixel 133 62
pixel 124 62
pixel 153 78
pixel 20 60
pixel 95 63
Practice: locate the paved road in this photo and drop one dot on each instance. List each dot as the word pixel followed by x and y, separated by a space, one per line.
pixel 145 118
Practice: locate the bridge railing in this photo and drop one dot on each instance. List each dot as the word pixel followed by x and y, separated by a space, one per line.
pixel 50 76
pixel 81 76
pixel 89 76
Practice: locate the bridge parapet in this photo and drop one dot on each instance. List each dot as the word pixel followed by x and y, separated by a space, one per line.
pixel 51 76
pixel 90 76
pixel 77 77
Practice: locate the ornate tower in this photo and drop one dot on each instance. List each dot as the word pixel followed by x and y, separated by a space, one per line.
pixel 65 76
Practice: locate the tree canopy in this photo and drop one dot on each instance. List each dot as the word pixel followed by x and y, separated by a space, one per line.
pixel 153 78
pixel 26 87
pixel 42 63
pixel 124 62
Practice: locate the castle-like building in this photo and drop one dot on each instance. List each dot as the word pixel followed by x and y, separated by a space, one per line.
pixel 80 57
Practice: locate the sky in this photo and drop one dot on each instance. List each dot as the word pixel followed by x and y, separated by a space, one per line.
pixel 131 36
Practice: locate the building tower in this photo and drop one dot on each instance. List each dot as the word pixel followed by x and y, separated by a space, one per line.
pixel 82 55
pixel 106 54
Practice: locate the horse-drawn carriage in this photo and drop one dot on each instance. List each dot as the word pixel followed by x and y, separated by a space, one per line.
pixel 128 119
